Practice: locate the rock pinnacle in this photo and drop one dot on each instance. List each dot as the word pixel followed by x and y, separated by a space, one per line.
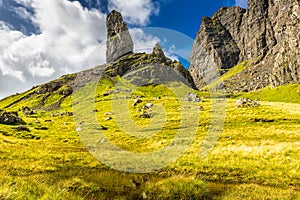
pixel 119 41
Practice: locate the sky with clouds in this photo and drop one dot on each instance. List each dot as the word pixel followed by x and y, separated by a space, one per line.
pixel 40 40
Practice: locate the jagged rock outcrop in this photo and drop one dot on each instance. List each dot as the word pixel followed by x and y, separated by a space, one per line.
pixel 140 68
pixel 159 54
pixel 154 68
pixel 267 34
pixel 119 41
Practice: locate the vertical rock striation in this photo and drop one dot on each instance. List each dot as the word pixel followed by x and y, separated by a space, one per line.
pixel 267 34
pixel 119 41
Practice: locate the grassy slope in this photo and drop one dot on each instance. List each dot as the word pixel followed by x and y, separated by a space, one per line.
pixel 232 71
pixel 252 160
pixel 285 93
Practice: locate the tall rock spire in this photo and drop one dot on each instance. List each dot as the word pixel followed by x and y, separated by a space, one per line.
pixel 119 41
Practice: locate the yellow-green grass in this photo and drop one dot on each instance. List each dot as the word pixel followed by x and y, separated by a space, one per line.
pixel 256 157
pixel 285 93
pixel 232 71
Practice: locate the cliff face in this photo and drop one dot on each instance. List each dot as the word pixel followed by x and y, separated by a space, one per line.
pixel 267 34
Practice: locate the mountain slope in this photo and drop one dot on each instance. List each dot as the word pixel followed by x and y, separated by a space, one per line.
pixel 267 34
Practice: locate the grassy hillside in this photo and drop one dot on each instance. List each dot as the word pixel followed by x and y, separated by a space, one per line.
pixel 232 71
pixel 284 93
pixel 256 157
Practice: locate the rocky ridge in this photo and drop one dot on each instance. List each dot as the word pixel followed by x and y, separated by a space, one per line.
pixel 267 34
pixel 121 60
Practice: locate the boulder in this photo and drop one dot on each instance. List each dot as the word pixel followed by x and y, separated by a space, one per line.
pixel 246 102
pixel 192 97
pixel 10 118
pixel 136 102
pixel 145 115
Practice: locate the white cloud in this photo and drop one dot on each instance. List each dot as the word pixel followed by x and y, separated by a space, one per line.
pixel 22 12
pixel 135 11
pixel 143 42
pixel 241 3
pixel 69 34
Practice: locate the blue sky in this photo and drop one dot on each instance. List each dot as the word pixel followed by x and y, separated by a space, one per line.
pixel 42 40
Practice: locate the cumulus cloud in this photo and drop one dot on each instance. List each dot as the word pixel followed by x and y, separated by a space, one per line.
pixel 142 41
pixel 22 12
pixel 67 35
pixel 135 11
pixel 241 3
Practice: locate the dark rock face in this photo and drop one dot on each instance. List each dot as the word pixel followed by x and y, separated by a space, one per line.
pixel 267 33
pixel 213 48
pixel 119 41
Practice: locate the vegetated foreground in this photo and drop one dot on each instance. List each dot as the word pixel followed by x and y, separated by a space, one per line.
pixel 256 157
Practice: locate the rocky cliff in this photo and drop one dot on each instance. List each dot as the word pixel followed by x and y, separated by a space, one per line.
pixel 266 34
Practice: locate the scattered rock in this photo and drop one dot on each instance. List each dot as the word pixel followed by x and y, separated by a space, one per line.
pixel 48 120
pixel 108 118
pixel 27 111
pixel 25 108
pixel 146 115
pixel 137 101
pixel 157 98
pixel 108 113
pixel 148 106
pixel 94 111
pixel 107 93
pixel 246 102
pixel 192 97
pixel 102 128
pixel 69 113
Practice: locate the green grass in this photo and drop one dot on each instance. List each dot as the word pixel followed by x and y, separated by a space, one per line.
pixel 284 93
pixel 256 157
pixel 232 71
